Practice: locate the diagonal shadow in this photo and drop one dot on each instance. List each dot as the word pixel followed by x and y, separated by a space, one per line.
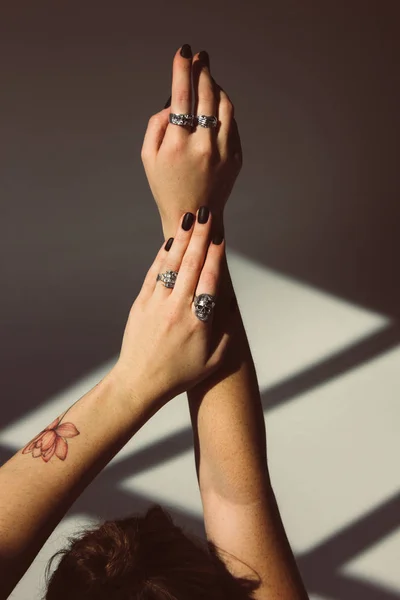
pixel 105 498
pixel 320 566
pixel 335 365
pixel 347 588
pixel 350 358
pixel 119 503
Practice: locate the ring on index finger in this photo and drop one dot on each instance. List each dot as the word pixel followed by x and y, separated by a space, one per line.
pixel 168 278
pixel 183 120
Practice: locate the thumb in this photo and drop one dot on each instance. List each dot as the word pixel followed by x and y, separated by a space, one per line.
pixel 155 132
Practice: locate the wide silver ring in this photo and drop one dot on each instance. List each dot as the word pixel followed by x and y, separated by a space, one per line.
pixel 183 120
pixel 203 306
pixel 168 278
pixel 207 121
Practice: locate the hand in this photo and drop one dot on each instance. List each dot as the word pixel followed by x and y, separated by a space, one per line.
pixel 187 169
pixel 166 349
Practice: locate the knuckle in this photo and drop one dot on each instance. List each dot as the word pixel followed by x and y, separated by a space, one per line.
pixel 174 315
pixel 209 281
pixel 182 96
pixel 180 237
pixel 227 105
pixel 154 118
pixel 177 146
pixel 199 232
pixel 144 154
pixel 204 150
pixel 190 261
pixel 207 96
pixel 196 325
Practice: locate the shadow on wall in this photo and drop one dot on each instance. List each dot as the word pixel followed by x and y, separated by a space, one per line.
pixel 316 93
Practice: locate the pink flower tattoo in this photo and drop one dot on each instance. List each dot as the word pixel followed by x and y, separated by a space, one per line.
pixel 52 441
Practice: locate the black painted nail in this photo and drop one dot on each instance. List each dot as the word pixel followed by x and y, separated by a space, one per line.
pixel 188 220
pixel 203 214
pixel 168 102
pixel 217 239
pixel 233 304
pixel 204 57
pixel 168 244
pixel 186 51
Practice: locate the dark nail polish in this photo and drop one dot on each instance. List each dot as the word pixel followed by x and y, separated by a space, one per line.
pixel 188 221
pixel 168 244
pixel 204 57
pixel 203 214
pixel 168 102
pixel 186 51
pixel 233 304
pixel 217 239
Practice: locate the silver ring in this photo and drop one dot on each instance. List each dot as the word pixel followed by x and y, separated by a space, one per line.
pixel 168 278
pixel 182 120
pixel 208 122
pixel 203 306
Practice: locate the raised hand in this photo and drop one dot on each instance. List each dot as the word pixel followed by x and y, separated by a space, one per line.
pixel 166 348
pixel 187 168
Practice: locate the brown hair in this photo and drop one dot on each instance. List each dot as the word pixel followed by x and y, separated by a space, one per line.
pixel 142 558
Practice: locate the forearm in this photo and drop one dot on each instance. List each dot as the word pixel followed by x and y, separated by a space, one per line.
pixel 227 416
pixel 35 495
pixel 226 411
pixel 231 461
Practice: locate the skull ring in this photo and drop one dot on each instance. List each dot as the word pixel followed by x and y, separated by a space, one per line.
pixel 203 306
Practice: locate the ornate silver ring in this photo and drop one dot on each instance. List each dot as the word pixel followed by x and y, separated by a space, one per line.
pixel 205 121
pixel 183 120
pixel 203 306
pixel 168 278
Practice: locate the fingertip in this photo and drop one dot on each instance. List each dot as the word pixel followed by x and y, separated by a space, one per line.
pixel 218 239
pixel 168 244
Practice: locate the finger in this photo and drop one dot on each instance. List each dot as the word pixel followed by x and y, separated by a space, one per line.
pixel 218 353
pixel 204 93
pixel 149 282
pixel 193 260
pixel 181 96
pixel 228 136
pixel 155 133
pixel 210 277
pixel 234 143
pixel 172 260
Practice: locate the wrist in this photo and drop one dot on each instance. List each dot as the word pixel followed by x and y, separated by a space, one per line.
pixel 131 392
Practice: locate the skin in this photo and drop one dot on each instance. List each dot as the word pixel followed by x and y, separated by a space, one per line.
pixel 166 350
pixel 186 169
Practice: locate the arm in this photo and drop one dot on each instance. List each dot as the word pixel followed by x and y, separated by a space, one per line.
pixel 185 170
pixel 40 483
pixel 35 493
pixel 240 511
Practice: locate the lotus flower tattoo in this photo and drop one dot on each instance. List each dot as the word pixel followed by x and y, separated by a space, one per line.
pixel 52 441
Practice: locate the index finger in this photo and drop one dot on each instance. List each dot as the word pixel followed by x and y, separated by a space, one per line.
pixel 181 97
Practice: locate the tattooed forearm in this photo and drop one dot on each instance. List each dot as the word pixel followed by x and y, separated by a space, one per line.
pixel 51 441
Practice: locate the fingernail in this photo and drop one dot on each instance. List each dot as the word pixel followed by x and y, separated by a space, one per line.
pixel 217 239
pixel 168 244
pixel 186 51
pixel 188 220
pixel 168 102
pixel 203 214
pixel 204 57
